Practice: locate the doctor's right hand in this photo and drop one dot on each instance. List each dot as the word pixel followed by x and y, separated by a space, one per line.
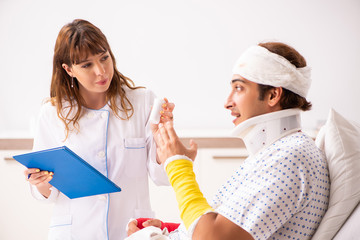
pixel 40 179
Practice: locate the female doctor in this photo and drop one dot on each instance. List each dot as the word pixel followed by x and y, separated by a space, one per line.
pixel 99 114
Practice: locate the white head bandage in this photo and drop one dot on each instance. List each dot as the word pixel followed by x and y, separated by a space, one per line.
pixel 261 66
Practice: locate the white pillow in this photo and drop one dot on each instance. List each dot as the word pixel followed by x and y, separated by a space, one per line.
pixel 340 141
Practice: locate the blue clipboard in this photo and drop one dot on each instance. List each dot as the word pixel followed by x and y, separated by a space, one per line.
pixel 73 176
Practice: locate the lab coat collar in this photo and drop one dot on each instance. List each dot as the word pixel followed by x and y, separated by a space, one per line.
pixel 265 129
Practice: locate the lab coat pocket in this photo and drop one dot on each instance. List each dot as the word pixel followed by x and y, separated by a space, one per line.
pixel 135 155
pixel 60 228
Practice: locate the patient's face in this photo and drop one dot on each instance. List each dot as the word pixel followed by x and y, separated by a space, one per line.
pixel 243 100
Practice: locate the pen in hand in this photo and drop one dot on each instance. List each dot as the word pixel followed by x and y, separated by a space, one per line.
pixel 29 175
pixel 37 171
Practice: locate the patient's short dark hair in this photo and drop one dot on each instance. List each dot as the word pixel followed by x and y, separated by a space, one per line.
pixel 288 99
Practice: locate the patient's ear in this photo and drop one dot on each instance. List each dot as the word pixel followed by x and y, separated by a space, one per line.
pixel 274 96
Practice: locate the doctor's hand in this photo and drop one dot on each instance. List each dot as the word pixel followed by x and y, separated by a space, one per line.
pixel 165 114
pixel 40 179
pixel 169 144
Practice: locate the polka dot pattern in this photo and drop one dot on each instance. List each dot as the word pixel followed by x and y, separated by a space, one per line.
pixel 281 192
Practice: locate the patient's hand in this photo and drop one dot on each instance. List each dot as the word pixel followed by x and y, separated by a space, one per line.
pixel 169 144
pixel 152 222
pixel 135 225
pixel 132 227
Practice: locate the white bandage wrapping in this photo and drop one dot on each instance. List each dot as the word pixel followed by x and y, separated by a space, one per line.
pixel 155 112
pixel 261 66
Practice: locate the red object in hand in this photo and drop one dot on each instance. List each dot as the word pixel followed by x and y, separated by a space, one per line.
pixel 170 226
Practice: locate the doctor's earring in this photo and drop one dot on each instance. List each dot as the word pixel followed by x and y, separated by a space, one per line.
pixel 72 82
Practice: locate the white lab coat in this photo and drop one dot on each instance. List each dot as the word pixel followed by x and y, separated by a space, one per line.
pixel 123 150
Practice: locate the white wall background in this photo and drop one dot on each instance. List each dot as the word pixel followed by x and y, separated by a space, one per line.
pixel 183 50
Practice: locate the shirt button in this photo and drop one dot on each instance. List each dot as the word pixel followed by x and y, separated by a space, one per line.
pixel 90 115
pixel 104 115
pixel 102 197
pixel 101 154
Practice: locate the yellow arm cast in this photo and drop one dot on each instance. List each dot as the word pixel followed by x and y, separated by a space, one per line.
pixel 191 201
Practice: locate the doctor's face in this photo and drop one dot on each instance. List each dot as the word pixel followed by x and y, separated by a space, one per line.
pixel 94 74
pixel 243 101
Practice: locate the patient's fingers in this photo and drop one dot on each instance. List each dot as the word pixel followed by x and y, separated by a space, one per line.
pixel 152 222
pixel 170 130
pixel 192 151
pixel 157 136
pixel 132 227
pixel 164 133
pixel 154 128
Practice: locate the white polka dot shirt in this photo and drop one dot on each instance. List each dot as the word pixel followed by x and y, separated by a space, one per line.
pixel 281 192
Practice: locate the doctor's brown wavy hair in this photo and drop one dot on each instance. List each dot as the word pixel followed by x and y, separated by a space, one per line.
pixel 76 41
pixel 288 99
